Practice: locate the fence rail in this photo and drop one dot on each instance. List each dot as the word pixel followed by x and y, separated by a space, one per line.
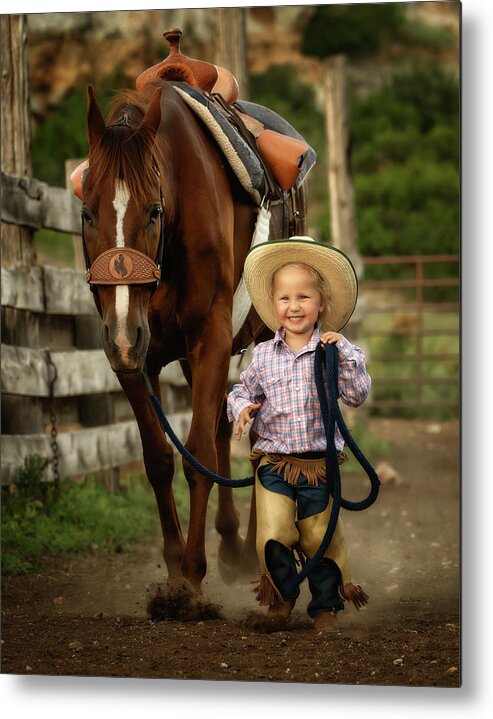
pixel 412 315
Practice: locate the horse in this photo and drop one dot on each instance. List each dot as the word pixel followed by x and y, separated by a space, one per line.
pixel 160 196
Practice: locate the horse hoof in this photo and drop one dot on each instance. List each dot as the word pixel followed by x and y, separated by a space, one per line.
pixel 180 602
pixel 236 566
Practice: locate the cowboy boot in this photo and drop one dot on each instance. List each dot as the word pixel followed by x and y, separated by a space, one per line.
pixel 326 623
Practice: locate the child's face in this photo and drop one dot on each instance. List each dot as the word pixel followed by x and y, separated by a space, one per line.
pixel 297 301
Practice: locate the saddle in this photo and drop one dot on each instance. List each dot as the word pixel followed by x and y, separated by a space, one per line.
pixel 283 155
pixel 267 154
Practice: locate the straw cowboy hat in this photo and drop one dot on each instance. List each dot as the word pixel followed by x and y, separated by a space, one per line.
pixel 333 265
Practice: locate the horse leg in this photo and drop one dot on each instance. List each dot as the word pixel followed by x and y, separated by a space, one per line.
pixel 159 464
pixel 209 363
pixel 234 559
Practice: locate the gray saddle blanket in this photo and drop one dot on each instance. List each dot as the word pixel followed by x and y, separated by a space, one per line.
pixel 243 161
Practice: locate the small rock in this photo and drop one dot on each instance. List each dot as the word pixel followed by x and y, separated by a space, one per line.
pixel 434 428
pixel 76 645
pixel 223 665
pixel 452 670
pixel 399 661
pixel 28 668
pixel 59 600
pixel 317 675
pixel 387 474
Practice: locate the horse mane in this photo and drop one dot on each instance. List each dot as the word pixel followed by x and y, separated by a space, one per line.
pixel 126 150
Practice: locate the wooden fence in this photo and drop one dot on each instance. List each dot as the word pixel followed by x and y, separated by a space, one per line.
pixel 398 313
pixel 66 380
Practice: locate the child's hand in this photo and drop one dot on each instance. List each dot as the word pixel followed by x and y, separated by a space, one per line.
pixel 245 419
pixel 330 338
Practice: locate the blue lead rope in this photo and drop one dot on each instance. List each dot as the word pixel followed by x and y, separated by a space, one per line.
pixel 331 415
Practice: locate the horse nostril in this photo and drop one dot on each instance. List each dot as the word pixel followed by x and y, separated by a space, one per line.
pixel 139 338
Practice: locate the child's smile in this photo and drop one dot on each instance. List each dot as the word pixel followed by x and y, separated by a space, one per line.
pixel 297 302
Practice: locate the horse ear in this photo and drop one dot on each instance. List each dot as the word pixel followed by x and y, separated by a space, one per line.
pixel 152 118
pixel 95 120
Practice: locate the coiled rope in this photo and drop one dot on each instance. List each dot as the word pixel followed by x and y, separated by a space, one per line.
pixel 326 359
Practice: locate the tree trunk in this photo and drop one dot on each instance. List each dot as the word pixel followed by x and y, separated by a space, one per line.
pixel 231 45
pixel 341 193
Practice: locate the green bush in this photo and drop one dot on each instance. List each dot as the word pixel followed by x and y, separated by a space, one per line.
pixel 405 162
pixel 60 136
pixel 352 29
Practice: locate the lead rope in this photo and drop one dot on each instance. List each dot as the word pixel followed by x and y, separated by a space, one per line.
pixel 331 414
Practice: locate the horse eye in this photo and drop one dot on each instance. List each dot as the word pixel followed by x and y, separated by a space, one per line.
pixel 87 217
pixel 155 214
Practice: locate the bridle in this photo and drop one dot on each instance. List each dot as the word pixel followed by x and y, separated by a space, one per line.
pixel 125 265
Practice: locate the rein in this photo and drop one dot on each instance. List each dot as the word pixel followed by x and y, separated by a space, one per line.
pixel 325 360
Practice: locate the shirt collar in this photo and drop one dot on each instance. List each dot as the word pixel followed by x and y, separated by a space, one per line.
pixel 310 347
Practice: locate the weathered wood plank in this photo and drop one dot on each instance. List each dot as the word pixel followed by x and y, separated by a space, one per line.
pixel 56 291
pixel 83 451
pixel 23 289
pixel 26 372
pixel 28 202
pixel 67 292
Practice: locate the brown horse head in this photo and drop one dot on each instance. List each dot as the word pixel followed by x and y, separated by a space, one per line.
pixel 122 217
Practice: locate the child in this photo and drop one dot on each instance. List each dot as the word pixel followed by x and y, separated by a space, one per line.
pixel 305 292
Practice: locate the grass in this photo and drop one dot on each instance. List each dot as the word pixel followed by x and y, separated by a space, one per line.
pixel 38 524
pixel 84 517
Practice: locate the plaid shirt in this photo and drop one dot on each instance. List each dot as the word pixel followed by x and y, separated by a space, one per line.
pixel 283 381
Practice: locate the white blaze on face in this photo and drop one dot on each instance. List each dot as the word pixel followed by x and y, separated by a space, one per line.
pixel 120 203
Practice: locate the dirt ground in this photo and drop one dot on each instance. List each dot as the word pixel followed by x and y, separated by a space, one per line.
pixel 88 617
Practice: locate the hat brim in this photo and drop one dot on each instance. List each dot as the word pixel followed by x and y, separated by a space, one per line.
pixel 333 265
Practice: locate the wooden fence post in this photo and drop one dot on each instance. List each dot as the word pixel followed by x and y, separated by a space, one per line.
pixel 231 44
pixel 19 327
pixel 341 193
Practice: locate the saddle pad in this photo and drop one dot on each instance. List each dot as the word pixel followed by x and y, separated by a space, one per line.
pixel 243 161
